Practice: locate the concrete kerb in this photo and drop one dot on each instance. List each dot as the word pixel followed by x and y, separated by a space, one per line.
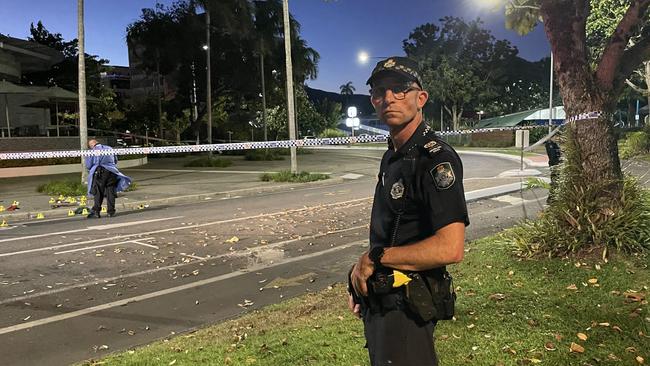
pixel 200 197
pixel 528 162
pixel 471 196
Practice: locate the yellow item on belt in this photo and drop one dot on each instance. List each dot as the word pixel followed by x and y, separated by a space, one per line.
pixel 400 278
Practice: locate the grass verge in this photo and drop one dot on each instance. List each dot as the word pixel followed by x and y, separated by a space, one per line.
pixel 207 162
pixel 287 176
pixel 63 187
pixel 511 311
pixel 70 188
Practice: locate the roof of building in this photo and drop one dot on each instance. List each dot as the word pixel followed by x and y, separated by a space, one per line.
pixel 514 119
pixel 32 56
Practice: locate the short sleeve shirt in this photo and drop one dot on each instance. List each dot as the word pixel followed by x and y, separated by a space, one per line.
pixel 419 191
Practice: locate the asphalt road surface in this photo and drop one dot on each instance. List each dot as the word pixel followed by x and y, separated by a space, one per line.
pixel 73 289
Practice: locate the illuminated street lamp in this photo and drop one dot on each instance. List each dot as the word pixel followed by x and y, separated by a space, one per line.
pixel 480 114
pixel 363 57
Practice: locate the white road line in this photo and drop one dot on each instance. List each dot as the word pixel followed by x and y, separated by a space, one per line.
pixel 106 245
pixel 99 227
pixel 172 266
pixel 43 235
pixel 145 244
pixel 168 291
pixel 131 223
pixel 183 227
pixel 207 171
pixel 193 256
pixel 199 171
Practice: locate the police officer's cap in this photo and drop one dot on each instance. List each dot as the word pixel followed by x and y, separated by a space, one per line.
pixel 402 66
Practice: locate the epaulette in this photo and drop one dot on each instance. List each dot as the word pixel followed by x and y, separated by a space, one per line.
pixel 433 146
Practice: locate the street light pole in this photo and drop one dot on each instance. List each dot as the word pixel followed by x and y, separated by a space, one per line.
pixel 290 106
pixel 209 77
pixel 550 99
pixel 263 88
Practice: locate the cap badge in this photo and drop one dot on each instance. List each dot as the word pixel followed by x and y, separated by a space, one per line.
pixel 390 63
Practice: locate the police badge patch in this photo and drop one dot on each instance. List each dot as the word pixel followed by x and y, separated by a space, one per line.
pixel 397 191
pixel 443 175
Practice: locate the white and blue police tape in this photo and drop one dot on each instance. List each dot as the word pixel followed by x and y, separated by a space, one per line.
pixel 255 144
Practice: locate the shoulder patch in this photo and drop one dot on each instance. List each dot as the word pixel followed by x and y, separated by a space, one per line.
pixel 432 147
pixel 443 175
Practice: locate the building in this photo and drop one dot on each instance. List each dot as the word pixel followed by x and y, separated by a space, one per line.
pixel 532 117
pixel 117 78
pixel 21 115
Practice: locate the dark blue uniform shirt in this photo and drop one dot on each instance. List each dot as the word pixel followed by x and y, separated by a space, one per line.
pixel 419 190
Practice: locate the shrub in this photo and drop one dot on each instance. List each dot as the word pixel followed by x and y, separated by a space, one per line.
pixel 332 132
pixel 636 143
pixel 575 222
pixel 209 162
pixel 299 151
pixel 287 176
pixel 63 187
pixel 263 155
pixel 70 188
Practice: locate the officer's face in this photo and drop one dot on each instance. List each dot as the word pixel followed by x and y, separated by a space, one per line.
pixel 401 100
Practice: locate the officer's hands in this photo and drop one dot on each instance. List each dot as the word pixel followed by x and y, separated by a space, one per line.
pixel 354 307
pixel 360 274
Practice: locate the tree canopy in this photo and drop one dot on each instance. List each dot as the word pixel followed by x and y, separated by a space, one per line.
pixel 466 67
pixel 241 31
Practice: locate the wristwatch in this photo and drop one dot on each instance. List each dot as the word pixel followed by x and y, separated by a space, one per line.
pixel 375 254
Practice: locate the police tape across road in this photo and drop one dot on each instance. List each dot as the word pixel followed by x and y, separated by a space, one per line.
pixel 229 146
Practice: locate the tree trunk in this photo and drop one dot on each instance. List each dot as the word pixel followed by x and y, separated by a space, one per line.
pixel 647 85
pixel 83 123
pixel 592 153
pixel 630 112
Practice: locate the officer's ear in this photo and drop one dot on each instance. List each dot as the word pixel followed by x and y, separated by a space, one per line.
pixel 423 96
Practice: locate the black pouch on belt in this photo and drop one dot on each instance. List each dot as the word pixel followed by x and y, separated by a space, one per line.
pixel 431 295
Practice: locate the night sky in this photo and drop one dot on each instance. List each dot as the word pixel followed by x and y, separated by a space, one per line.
pixel 338 30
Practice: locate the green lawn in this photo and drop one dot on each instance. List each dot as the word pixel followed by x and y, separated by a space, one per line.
pixel 510 311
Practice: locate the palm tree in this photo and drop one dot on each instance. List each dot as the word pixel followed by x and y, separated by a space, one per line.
pixel 83 124
pixel 347 89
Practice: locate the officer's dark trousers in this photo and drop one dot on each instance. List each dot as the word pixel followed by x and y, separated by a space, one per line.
pixel 104 185
pixel 395 338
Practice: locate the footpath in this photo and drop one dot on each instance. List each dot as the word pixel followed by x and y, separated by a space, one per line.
pixel 166 181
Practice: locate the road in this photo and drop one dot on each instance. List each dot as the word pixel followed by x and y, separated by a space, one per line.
pixel 73 289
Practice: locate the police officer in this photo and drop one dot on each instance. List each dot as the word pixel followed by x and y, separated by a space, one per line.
pixel 418 218
pixel 554 158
